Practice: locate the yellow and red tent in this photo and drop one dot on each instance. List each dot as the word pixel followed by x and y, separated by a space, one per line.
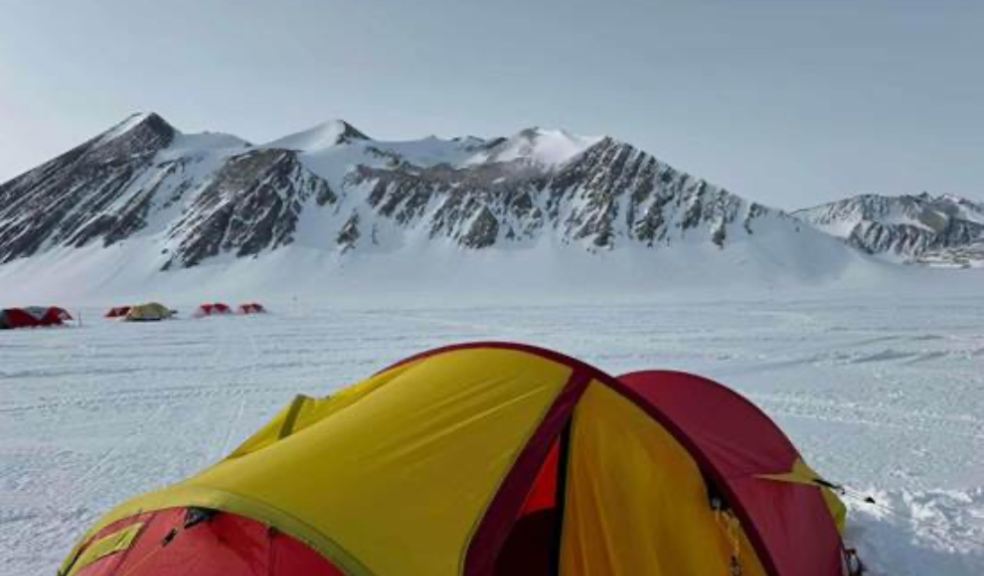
pixel 491 458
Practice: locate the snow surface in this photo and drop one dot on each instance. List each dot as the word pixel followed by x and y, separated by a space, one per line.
pixel 318 137
pixel 885 395
pixel 421 272
pixel 537 145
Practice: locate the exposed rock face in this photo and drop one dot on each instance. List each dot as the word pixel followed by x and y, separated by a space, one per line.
pixel 963 256
pixel 74 198
pixel 482 231
pixel 610 193
pixel 349 133
pixel 253 203
pixel 616 192
pixel 907 228
pixel 349 234
pixel 109 188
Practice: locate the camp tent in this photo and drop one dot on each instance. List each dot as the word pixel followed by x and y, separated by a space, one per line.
pixel 149 312
pixel 491 458
pixel 251 308
pixel 118 312
pixel 32 316
pixel 212 309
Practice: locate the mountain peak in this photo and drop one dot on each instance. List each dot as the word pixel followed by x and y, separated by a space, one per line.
pixel 320 136
pixel 148 122
pixel 545 147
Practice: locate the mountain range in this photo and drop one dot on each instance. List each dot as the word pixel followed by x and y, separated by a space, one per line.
pixel 193 199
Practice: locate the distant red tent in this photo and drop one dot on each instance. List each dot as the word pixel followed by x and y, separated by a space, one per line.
pixel 251 308
pixel 32 316
pixel 118 312
pixel 212 309
pixel 55 316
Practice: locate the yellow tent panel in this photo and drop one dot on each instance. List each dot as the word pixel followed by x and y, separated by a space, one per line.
pixel 648 512
pixel 431 440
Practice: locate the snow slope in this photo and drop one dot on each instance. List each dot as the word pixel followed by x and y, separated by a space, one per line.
pixel 882 395
pixel 541 272
pixel 536 146
pixel 319 137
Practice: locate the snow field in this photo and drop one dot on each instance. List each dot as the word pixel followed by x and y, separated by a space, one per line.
pixel 887 398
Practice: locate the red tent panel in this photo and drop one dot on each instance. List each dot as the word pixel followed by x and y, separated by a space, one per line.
pixel 118 311
pixel 18 318
pixel 213 308
pixel 55 316
pixel 221 545
pixel 34 316
pixel 734 442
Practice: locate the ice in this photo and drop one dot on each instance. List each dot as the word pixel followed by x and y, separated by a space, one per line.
pixel 883 395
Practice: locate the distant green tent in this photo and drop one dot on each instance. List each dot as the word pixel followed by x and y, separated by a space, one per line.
pixel 149 312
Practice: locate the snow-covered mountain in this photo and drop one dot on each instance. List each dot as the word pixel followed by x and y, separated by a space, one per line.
pixel 940 230
pixel 203 196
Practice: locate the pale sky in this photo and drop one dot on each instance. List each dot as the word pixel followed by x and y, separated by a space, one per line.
pixel 788 102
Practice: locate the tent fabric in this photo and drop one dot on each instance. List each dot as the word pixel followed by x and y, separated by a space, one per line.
pixel 251 308
pixel 801 473
pixel 529 547
pixel 232 545
pixel 103 546
pixel 442 433
pixel 740 444
pixel 150 312
pixel 55 316
pixel 648 512
pixel 118 312
pixel 212 309
pixel 33 316
pixel 497 458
